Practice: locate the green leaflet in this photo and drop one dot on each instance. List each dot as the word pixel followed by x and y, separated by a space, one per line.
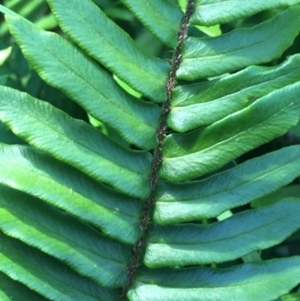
pixel 75 142
pixel 63 237
pixel 47 276
pixel 211 12
pixel 191 155
pixel 263 281
pixel 11 290
pixel 208 57
pixel 71 203
pixel 6 10
pixel 167 18
pixel 207 102
pixel 35 173
pixel 108 44
pixel 243 233
pixel 86 83
pixel 189 201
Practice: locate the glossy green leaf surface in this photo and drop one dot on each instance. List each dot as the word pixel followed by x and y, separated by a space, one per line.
pixel 239 48
pixel 262 281
pixel 114 195
pixel 70 140
pixel 119 53
pixel 243 233
pixel 166 15
pixel 63 237
pixel 66 188
pixel 207 102
pixel 46 275
pixel 11 290
pixel 211 12
pixel 87 84
pixel 187 156
pixel 189 201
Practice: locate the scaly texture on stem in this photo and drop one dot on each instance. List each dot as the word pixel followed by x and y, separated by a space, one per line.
pixel 145 218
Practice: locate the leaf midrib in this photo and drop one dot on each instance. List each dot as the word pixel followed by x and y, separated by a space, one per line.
pixel 225 238
pixel 244 90
pixel 261 176
pixel 80 196
pixel 76 142
pixel 247 47
pixel 233 137
pixel 66 240
pixel 120 53
pixel 133 117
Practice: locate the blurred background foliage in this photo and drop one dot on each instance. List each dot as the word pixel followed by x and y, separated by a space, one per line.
pixel 15 72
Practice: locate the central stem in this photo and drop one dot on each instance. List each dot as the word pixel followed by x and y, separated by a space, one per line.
pixel 145 218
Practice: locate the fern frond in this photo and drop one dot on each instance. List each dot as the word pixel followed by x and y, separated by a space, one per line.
pixel 239 48
pixel 255 281
pixel 196 153
pixel 121 213
pixel 112 47
pixel 207 102
pixel 208 198
pixel 70 140
pixel 80 75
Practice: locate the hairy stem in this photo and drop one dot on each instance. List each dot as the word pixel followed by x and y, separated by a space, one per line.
pixel 145 218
